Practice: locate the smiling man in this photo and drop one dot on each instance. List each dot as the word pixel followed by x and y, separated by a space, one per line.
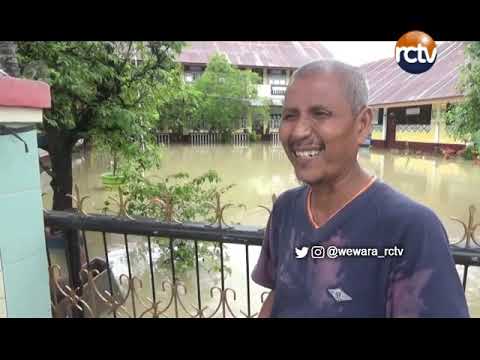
pixel 341 206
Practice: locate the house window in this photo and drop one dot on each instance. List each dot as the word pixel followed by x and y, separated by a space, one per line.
pixel 193 73
pixel 277 77
pixel 413 119
pixel 244 122
pixel 275 120
pixel 241 123
pixel 413 115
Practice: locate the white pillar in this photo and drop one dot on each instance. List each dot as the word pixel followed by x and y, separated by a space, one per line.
pixel 265 76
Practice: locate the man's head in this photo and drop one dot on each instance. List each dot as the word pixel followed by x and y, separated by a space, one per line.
pixel 325 119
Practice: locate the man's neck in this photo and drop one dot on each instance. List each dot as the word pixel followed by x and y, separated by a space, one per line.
pixel 330 196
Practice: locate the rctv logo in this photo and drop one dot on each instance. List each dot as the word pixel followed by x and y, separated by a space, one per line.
pixel 415 52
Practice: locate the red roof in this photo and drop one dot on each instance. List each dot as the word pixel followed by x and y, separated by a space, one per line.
pixel 275 54
pixel 389 84
pixel 24 93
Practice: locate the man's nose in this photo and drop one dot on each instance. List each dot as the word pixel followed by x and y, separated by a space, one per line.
pixel 303 128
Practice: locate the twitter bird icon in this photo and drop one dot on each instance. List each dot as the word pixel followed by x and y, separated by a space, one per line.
pixel 301 253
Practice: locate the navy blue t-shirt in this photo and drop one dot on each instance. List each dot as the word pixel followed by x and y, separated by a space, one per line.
pixel 422 282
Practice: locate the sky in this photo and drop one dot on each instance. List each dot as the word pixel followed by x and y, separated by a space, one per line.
pixel 361 52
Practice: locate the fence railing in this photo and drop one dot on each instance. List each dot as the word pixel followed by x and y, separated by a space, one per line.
pixel 163 138
pixel 204 138
pixel 93 291
pixel 276 139
pixel 90 287
pixel 278 89
pixel 240 139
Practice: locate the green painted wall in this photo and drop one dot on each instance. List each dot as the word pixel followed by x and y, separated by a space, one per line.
pixel 22 239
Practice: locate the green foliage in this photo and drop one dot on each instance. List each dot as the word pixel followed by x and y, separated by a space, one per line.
pixel 470 153
pixel 228 93
pixel 178 103
pixel 105 91
pixel 192 201
pixel 463 119
pixel 191 198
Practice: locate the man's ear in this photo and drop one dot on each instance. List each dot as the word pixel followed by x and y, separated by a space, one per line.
pixel 364 124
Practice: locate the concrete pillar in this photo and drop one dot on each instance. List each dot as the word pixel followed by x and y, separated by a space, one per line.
pixel 436 119
pixel 384 128
pixel 24 276
pixel 265 76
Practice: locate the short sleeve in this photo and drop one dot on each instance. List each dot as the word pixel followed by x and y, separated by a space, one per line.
pixel 424 281
pixel 264 272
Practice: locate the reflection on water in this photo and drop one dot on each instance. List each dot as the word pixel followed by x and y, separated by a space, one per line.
pixel 260 170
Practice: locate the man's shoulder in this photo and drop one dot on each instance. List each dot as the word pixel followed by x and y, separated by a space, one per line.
pixel 394 207
pixel 289 198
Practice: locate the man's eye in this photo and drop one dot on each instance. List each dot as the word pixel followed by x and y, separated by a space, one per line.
pixel 288 116
pixel 321 113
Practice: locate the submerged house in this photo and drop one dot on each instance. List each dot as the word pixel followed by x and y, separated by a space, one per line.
pixel 415 101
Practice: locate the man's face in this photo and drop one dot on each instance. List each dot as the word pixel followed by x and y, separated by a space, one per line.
pixel 318 131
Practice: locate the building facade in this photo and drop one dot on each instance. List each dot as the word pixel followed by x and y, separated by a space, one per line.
pixel 408 109
pixel 273 61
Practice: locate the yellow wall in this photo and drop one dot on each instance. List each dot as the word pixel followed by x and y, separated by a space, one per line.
pixel 445 138
pixel 377 135
pixel 430 137
pixel 416 136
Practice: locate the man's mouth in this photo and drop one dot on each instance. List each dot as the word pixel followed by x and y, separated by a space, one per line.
pixel 308 153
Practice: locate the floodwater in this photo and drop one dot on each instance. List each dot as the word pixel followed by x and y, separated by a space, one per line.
pixel 449 187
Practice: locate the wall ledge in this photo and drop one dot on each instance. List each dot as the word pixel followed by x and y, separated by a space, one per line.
pixel 24 93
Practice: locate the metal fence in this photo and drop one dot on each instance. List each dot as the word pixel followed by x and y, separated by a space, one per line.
pixel 163 138
pixel 276 139
pixel 204 138
pixel 240 139
pixel 90 288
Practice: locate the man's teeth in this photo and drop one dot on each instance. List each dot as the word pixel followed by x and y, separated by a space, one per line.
pixel 310 153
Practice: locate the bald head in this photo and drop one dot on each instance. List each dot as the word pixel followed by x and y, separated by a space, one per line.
pixel 351 78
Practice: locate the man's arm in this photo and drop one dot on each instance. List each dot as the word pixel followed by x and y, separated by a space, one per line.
pixel 264 273
pixel 266 309
pixel 424 281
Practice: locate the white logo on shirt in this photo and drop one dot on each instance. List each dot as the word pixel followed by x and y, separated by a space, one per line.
pixel 339 295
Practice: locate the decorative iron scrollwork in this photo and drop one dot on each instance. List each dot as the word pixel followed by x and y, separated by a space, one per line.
pixel 93 303
pixel 469 229
pixel 78 200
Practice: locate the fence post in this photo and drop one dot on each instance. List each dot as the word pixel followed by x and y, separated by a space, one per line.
pixel 74 263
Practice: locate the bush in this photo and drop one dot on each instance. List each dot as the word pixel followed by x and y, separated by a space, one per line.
pixel 192 200
pixel 471 152
pixel 226 137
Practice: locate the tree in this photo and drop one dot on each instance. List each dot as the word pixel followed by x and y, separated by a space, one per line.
pixel 228 94
pixel 463 119
pixel 8 58
pixel 97 88
pixel 178 103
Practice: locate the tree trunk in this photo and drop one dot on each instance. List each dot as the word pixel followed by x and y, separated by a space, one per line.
pixel 115 163
pixel 60 147
pixel 8 58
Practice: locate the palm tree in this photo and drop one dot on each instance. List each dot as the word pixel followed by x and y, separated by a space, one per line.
pixel 8 58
